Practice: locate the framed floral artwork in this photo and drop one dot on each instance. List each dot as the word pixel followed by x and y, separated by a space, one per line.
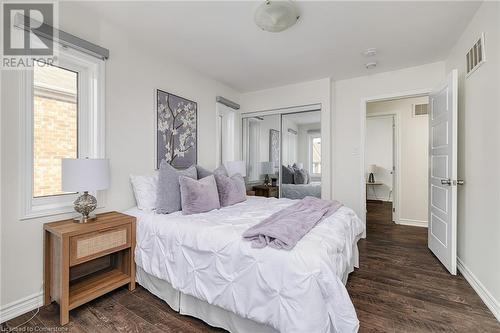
pixel 176 135
pixel 274 148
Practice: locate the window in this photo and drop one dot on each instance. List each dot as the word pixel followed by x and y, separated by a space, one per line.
pixel 55 120
pixel 225 134
pixel 315 154
pixel 63 115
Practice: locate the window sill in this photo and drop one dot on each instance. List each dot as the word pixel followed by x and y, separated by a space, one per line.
pixel 56 208
pixel 62 211
pixel 46 213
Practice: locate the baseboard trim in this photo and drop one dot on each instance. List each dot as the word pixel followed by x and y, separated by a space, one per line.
pixel 20 307
pixel 480 289
pixel 413 223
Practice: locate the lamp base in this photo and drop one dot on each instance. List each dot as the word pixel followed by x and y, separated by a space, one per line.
pixel 85 205
pixel 371 178
pixel 85 219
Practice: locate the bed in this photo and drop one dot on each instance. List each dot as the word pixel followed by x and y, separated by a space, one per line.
pixel 299 191
pixel 200 265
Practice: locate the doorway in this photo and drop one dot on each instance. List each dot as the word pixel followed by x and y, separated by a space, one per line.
pixel 396 159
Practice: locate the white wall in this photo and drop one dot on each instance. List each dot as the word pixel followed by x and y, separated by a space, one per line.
pixel 132 74
pixel 479 153
pixel 413 156
pixel 305 93
pixel 349 97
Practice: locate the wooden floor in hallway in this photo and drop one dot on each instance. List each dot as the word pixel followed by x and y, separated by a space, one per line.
pixel 400 287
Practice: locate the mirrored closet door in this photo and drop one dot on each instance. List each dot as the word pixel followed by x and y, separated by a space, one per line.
pixel 261 151
pixel 283 154
pixel 301 155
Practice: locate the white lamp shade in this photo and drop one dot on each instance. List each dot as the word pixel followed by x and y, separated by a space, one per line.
pixel 234 167
pixel 372 168
pixel 84 174
pixel 267 167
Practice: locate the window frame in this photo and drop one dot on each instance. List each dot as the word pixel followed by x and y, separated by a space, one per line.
pixel 311 138
pixel 90 129
pixel 225 134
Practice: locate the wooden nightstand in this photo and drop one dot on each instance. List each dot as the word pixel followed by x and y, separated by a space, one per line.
pixel 266 191
pixel 85 261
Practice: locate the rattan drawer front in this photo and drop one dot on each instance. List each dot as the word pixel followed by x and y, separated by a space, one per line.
pixel 96 244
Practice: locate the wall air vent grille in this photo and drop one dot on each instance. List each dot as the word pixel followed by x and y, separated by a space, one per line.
pixel 476 56
pixel 420 110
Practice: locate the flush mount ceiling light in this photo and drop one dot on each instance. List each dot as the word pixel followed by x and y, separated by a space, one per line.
pixel 276 16
pixel 370 52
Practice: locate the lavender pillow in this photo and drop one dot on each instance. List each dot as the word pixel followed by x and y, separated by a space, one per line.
pixel 221 170
pixel 198 196
pixel 231 189
pixel 168 193
pixel 202 172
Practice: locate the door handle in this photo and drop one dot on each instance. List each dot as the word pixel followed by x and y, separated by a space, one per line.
pixel 460 182
pixel 446 182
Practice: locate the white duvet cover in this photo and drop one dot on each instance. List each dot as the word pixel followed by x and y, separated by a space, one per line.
pixel 204 255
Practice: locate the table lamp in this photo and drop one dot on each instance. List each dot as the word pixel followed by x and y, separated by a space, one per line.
pixel 234 167
pixel 371 170
pixel 84 175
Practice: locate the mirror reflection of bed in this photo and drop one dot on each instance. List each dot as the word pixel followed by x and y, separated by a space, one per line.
pixel 283 154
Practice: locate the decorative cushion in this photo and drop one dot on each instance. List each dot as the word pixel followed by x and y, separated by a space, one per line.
pixel 202 172
pixel 300 176
pixel 231 189
pixel 221 170
pixel 168 194
pixel 198 196
pixel 287 174
pixel 308 179
pixel 145 190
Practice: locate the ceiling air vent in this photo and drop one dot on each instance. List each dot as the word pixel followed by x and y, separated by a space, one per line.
pixel 476 56
pixel 420 110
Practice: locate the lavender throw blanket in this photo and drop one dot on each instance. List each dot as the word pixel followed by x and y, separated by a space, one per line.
pixel 285 228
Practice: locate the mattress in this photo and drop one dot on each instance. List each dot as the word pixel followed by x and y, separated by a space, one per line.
pixel 299 191
pixel 204 256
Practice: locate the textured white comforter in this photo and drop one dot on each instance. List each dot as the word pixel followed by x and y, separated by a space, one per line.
pixel 205 256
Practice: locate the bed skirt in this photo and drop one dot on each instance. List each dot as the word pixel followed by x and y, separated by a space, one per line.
pixel 212 314
pixel 192 306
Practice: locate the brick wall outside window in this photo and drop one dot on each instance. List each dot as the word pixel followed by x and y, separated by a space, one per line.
pixel 55 137
pixel 55 123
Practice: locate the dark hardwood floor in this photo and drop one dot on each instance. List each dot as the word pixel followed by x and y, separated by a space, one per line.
pixel 401 287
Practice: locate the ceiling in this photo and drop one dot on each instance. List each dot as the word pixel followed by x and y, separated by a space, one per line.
pixel 221 40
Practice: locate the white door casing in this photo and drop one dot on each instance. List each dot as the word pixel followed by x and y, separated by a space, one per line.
pixel 442 231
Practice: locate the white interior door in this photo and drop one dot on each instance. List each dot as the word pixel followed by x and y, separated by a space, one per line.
pixel 442 239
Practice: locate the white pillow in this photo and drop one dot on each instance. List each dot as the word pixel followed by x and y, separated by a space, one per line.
pixel 145 190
